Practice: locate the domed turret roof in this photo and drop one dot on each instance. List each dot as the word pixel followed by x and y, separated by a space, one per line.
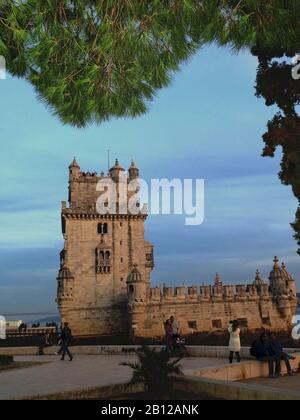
pixel 258 280
pixel 117 167
pixel 135 275
pixel 277 272
pixel 133 165
pixel 286 274
pixel 74 164
pixel 133 170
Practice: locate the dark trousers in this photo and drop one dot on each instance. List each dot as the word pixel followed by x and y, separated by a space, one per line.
pixel 238 357
pixel 170 344
pixel 65 350
pixel 283 356
pixel 271 360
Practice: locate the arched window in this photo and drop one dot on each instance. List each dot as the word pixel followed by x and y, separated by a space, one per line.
pixel 107 255
pixel 102 228
pixel 131 288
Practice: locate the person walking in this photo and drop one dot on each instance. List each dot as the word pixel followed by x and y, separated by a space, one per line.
pixel 235 342
pixel 66 336
pixel 169 336
pixel 175 328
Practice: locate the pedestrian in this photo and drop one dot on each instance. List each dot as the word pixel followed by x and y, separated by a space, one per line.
pixel 278 352
pixel 169 336
pixel 45 342
pixel 235 342
pixel 175 328
pixel 66 336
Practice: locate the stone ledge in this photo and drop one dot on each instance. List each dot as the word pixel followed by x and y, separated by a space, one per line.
pixel 194 351
pixel 238 372
pixel 233 391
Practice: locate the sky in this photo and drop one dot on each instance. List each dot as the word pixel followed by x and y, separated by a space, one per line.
pixel 207 125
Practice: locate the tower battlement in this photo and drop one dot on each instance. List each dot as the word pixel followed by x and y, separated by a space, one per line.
pixel 226 293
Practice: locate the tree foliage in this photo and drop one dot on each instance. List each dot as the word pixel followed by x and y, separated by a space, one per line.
pixel 154 370
pixel 93 60
pixel 271 31
pixel 277 86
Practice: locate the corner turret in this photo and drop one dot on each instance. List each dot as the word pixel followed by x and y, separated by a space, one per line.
pixel 133 171
pixel 290 282
pixel 74 169
pixel 277 279
pixel 136 287
pixel 117 172
pixel 258 282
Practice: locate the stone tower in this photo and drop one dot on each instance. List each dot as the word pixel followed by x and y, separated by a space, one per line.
pixel 100 252
pixel 283 289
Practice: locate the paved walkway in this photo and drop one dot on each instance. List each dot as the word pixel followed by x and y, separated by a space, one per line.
pixel 83 373
pixel 285 384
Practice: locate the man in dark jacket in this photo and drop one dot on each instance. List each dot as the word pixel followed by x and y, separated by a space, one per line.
pixel 65 338
pixel 278 352
pixel 263 353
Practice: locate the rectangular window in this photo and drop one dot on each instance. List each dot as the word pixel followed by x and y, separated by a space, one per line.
pixel 193 325
pixel 217 324
pixel 243 322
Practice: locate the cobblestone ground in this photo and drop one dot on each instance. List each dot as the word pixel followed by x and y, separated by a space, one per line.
pixel 84 372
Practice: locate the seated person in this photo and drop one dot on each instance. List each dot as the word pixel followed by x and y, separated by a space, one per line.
pixel 278 352
pixel 263 353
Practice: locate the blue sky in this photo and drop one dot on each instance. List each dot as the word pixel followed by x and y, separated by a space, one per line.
pixel 208 124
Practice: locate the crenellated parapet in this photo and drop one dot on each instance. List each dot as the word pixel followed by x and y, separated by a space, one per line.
pixel 207 294
pixel 259 290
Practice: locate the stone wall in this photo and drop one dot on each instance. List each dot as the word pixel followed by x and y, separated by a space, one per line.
pixel 205 312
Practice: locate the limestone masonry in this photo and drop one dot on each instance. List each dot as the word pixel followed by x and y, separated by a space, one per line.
pixel 104 279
